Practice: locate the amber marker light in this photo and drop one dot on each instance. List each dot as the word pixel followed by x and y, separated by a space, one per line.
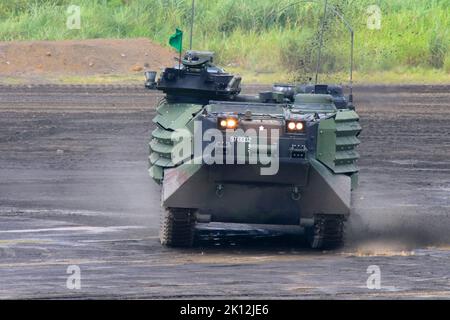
pixel 231 123
pixel 295 126
pixel 228 123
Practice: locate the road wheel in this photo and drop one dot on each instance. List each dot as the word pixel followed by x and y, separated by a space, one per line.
pixel 177 227
pixel 327 232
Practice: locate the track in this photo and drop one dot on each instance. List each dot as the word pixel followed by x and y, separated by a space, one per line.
pixel 74 191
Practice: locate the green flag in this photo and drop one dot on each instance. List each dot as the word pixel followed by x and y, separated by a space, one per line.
pixel 176 40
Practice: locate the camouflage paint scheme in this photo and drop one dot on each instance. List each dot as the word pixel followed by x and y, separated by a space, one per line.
pixel 288 157
pixel 324 178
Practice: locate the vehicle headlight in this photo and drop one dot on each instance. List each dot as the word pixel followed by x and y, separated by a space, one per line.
pixel 228 123
pixel 295 126
pixel 291 125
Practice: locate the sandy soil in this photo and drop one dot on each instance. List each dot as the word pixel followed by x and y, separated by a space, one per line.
pixel 81 57
pixel 74 191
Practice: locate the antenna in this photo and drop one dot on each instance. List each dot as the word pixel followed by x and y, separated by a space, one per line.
pixel 319 54
pixel 352 44
pixel 192 24
pixel 345 22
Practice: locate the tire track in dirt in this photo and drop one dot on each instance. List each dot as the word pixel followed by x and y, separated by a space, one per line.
pixel 74 190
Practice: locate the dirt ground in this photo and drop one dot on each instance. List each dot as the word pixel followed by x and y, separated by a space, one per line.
pixel 74 190
pixel 81 57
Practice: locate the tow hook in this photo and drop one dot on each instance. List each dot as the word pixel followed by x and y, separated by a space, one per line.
pixel 219 190
pixel 295 194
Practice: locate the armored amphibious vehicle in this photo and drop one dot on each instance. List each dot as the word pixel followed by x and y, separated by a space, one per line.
pixel 285 156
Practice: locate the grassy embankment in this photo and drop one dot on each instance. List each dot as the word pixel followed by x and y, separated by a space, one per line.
pixel 257 38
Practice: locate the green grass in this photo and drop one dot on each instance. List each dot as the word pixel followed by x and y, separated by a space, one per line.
pixel 257 36
pixel 403 76
pixel 399 75
pixel 101 79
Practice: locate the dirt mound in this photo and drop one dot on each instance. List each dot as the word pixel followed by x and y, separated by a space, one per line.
pixel 82 57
